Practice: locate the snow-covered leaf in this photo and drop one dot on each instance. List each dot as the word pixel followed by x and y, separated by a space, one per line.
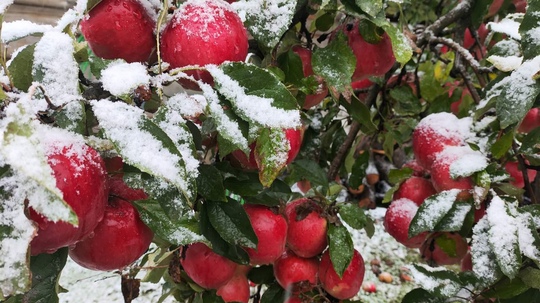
pixel 72 117
pixel 144 144
pixel 335 63
pixel 341 247
pixel 432 211
pixel 15 30
pixel 121 78
pixel 530 30
pixel 529 240
pixel 455 218
pixel 271 154
pixel 503 237
pixel 371 7
pixel 266 20
pixel 439 281
pixel 20 67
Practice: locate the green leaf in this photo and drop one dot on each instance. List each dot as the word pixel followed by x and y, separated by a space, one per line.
pixel 529 44
pixel 400 43
pixel 268 20
pixel 180 232
pixel 482 255
pixel 360 113
pixel 455 218
pixel 353 215
pixel 291 64
pixel 502 145
pixel 371 7
pixel 530 146
pixel 419 295
pixel 228 139
pixel 232 223
pixel 407 103
pixel 46 270
pixel 263 274
pixel 308 170
pixel 396 176
pixel 273 294
pixel 432 211
pixel 91 4
pixel 439 282
pixel 530 276
pixel 358 172
pixel 72 117
pixel 506 289
pixel 210 183
pixel 341 247
pixel 20 68
pixel 271 154
pixel 335 63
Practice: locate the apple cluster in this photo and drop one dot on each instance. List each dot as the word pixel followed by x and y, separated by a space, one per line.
pixel 110 234
pixel 439 141
pixel 294 243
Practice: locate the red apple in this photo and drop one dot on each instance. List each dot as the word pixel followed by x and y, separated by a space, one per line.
pixel 530 121
pixel 349 284
pixel 271 231
pixel 235 290
pixel 371 59
pixel 369 287
pixel 418 170
pixel 521 6
pixel 444 249
pixel 117 186
pixel 516 175
pixel 494 7
pixel 119 239
pixel 416 189
pixel 466 262
pixel 306 233
pixel 81 177
pixel 294 273
pixel 303 185
pixel 206 268
pixel 201 33
pixel 322 91
pixel 398 219
pixel 442 180
pixel 433 134
pixel 294 136
pixel 120 29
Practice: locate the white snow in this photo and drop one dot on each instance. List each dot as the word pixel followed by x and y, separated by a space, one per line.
pixel 505 64
pixel 195 17
pixel 4 5
pixel 21 28
pixel 436 207
pixel 483 259
pixel 189 106
pixel 446 125
pixel 508 26
pixel 446 287
pixel 121 78
pixel 464 161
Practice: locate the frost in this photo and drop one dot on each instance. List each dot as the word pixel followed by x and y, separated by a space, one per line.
pixel 4 5
pixel 508 26
pixel 527 240
pixel 464 161
pixel 121 78
pixel 21 28
pixel 190 106
pixel 446 287
pixel 483 259
pixel 505 64
pixel 446 125
pixel 435 208
pixel 122 124
pixel 257 109
pixel 55 68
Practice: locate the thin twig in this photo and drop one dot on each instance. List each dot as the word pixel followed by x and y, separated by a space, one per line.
pixel 465 54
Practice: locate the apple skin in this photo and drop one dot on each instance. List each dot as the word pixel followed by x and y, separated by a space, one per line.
pixel 294 273
pixel 271 231
pixel 521 6
pixel 322 91
pixel 293 135
pixel 433 254
pixel 119 239
pixel 398 219
pixel 441 179
pixel 530 121
pixel 418 170
pixel 84 190
pixel 120 29
pixel 466 262
pixel 513 170
pixel 235 290
pixel 206 268
pixel 371 59
pixel 201 33
pixel 416 189
pixel 117 186
pixel 432 135
pixel 306 233
pixel 347 286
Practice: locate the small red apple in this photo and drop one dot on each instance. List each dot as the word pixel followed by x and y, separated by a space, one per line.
pixel 120 29
pixel 322 91
pixel 294 273
pixel 201 33
pixel 235 290
pixel 530 121
pixel 306 233
pixel 397 220
pixel 442 180
pixel 371 59
pixel 444 248
pixel 349 284
pixel 418 170
pixel 520 5
pixel 118 240
pixel 369 287
pixel 416 189
pixel 294 136
pixel 271 231
pixel 516 175
pixel 494 7
pixel 433 134
pixel 205 267
pixel 81 177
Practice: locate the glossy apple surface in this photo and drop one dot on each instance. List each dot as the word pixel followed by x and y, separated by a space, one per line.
pixel 442 179
pixel 81 177
pixel 512 167
pixel 206 268
pixel 349 284
pixel 120 29
pixel 294 273
pixel 235 290
pixel 306 233
pixel 416 189
pixel 201 33
pixel 444 249
pixel 119 239
pixel 530 121
pixel 271 231
pixel 397 220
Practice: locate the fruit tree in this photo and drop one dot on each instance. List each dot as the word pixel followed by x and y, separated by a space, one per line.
pixel 228 150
